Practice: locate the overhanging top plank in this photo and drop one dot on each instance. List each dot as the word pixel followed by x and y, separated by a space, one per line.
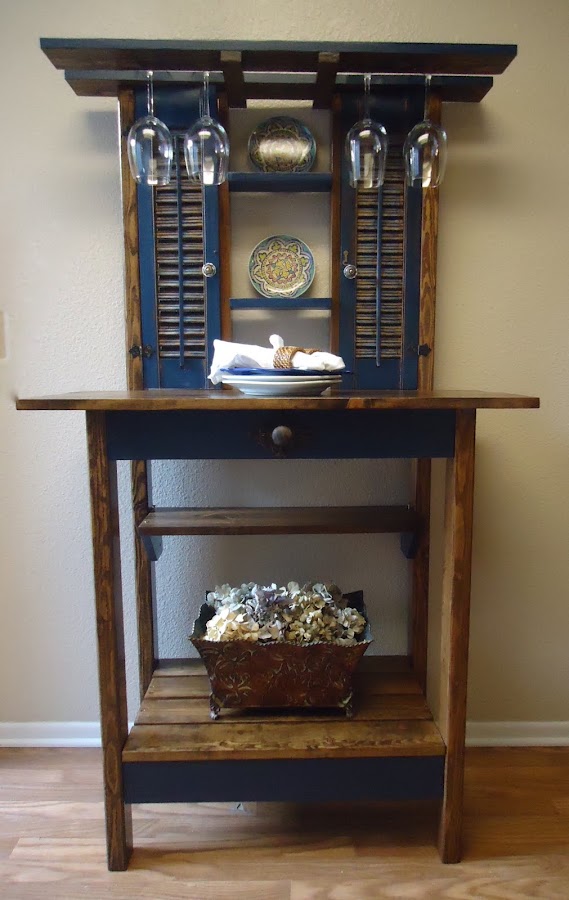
pixel 176 399
pixel 295 56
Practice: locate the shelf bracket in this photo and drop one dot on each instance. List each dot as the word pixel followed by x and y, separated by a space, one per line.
pixel 153 545
pixel 232 68
pixel 325 79
pixel 409 543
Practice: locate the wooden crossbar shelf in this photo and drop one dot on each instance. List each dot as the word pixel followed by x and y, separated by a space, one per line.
pixel 280 303
pixel 279 182
pixel 391 719
pixel 103 83
pixel 279 520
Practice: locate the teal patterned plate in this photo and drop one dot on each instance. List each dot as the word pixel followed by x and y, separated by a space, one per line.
pixel 281 266
pixel 282 144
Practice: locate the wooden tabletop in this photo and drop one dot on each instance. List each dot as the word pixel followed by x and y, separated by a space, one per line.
pixel 150 400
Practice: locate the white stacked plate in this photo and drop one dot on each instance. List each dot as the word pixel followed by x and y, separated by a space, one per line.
pixel 266 384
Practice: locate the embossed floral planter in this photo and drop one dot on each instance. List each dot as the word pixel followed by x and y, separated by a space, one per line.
pixel 279 674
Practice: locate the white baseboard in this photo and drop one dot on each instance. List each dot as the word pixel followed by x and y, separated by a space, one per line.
pixel 50 734
pixel 478 734
pixel 517 734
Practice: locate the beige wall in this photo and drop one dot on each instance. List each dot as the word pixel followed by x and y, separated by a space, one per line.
pixel 502 325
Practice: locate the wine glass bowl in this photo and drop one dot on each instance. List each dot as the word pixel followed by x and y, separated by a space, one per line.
pixel 366 147
pixel 425 150
pixel 206 146
pixel 150 148
pixel 206 149
pixel 425 155
pixel 150 151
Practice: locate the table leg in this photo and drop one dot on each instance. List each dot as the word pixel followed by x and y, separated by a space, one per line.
pixel 454 629
pixel 144 577
pixel 110 635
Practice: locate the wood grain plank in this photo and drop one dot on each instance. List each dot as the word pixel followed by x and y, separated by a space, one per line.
pixel 419 613
pixel 428 276
pixel 279 520
pixel 325 79
pixel 105 83
pixel 164 399
pixel 232 68
pixel 186 710
pixel 135 381
pixel 144 575
pixel 455 629
pixel 110 638
pixel 419 619
pixel 289 56
pixel 132 317
pixel 324 740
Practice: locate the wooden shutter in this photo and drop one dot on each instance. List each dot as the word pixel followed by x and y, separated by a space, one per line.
pixel 179 249
pixel 178 230
pixel 381 233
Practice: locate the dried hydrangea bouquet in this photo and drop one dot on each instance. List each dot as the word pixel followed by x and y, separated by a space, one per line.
pixel 281 646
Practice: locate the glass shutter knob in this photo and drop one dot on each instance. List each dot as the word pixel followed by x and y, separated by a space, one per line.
pixel 209 270
pixel 350 271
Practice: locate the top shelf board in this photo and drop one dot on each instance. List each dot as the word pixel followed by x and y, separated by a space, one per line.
pixel 274 70
pixel 280 56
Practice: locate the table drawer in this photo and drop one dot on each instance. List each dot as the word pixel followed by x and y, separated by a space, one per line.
pixel 244 434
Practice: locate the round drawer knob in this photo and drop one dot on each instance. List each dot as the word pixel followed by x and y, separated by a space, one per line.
pixel 281 436
pixel 209 269
pixel 350 271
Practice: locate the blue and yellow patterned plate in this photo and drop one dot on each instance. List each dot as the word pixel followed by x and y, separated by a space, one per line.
pixel 282 144
pixel 281 266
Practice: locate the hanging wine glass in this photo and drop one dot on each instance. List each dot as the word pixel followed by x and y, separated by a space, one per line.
pixel 425 150
pixel 366 147
pixel 150 146
pixel 206 146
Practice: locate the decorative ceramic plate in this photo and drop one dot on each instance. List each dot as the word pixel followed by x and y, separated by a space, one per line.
pixel 282 379
pixel 282 373
pixel 293 387
pixel 282 144
pixel 281 266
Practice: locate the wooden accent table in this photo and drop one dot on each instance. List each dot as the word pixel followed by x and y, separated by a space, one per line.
pixel 174 752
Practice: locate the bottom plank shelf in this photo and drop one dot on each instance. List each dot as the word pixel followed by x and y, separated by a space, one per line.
pixel 391 719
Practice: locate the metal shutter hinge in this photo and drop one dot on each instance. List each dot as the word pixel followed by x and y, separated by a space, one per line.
pixel 421 350
pixel 145 352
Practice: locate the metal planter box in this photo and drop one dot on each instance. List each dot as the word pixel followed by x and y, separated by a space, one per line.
pixel 277 674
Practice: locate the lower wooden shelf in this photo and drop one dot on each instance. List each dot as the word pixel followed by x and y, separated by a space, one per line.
pixel 280 520
pixel 391 719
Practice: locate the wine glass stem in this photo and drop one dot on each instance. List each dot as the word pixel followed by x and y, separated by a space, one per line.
pixel 427 97
pixel 206 93
pixel 150 93
pixel 367 86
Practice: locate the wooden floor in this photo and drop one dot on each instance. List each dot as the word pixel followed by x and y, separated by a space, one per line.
pixel 517 839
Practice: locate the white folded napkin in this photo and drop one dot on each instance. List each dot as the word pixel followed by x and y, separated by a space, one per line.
pixel 248 356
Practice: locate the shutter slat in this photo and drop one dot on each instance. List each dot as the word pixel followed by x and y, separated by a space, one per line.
pixel 180 293
pixel 390 277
